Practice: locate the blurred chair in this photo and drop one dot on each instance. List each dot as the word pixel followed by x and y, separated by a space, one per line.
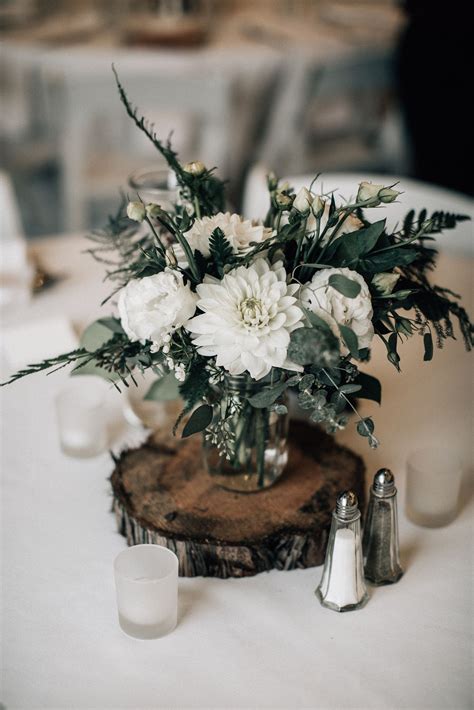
pixel 333 115
pixel 415 195
pixel 90 104
pixel 10 222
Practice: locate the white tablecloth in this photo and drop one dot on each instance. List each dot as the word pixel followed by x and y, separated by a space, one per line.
pixel 261 642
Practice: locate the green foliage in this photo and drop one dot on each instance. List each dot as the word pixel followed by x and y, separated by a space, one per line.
pixel 199 420
pixel 221 251
pixel 313 346
pixel 348 287
pixel 164 389
pixel 267 396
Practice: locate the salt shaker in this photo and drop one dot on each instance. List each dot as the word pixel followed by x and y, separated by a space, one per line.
pixel 380 541
pixel 342 586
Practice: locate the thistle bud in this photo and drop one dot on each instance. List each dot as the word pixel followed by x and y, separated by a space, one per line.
pixel 303 201
pixel 136 211
pixel 385 282
pixel 195 167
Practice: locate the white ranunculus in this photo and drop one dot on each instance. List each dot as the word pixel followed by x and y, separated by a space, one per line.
pixel 239 232
pixel 247 319
pixel 136 211
pixel 153 307
pixel 303 200
pixel 335 309
pixel 385 282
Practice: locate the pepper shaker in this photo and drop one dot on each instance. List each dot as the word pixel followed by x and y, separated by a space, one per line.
pixel 342 586
pixel 380 541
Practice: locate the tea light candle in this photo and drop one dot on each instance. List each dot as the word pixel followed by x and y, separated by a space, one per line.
pixel 146 582
pixel 81 417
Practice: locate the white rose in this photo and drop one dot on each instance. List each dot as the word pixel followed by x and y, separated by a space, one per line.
pixel 303 200
pixel 374 195
pixel 385 282
pixel 136 211
pixel 153 307
pixel 335 309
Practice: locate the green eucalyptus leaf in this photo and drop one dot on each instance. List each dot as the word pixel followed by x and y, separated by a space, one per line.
pixel 198 421
pixel 164 389
pixel 365 427
pixel 350 339
pixel 96 335
pixel 316 321
pixel 428 344
pixel 112 324
pixel 350 388
pixel 344 285
pixel 313 346
pixel 267 396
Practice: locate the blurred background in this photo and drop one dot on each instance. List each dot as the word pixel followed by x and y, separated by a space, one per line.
pixel 297 86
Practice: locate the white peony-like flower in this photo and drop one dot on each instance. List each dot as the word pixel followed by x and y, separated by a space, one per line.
pixel 335 309
pixel 247 319
pixel 136 211
pixel 240 233
pixel 153 307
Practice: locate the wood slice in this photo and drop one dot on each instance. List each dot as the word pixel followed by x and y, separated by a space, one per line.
pixel 163 495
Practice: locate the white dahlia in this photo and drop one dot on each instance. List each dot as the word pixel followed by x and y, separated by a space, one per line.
pixel 153 307
pixel 335 309
pixel 240 233
pixel 247 319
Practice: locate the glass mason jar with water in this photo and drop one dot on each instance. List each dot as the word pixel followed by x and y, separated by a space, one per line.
pixel 255 450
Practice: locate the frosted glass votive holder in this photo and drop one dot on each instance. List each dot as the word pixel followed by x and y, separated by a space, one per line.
pixel 433 484
pixel 81 416
pixel 146 582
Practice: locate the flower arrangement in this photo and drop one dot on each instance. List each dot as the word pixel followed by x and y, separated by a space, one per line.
pixel 207 298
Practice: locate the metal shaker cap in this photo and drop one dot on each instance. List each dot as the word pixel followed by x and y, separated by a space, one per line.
pixel 346 506
pixel 384 483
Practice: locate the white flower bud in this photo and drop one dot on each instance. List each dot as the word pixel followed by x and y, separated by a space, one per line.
pixel 167 338
pixel 195 167
pixel 166 349
pixel 136 211
pixel 153 211
pixel 180 373
pixel 317 206
pixel 170 363
pixel 388 195
pixel 385 282
pixel 374 195
pixel 283 200
pixel 170 257
pixel 303 201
